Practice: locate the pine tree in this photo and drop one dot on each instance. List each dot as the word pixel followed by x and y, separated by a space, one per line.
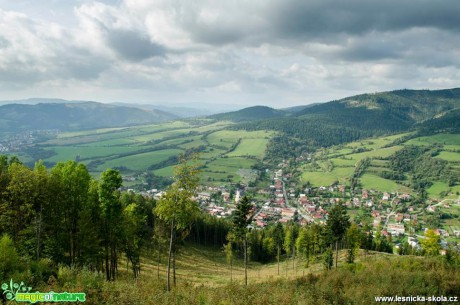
pixel 241 220
pixel 336 226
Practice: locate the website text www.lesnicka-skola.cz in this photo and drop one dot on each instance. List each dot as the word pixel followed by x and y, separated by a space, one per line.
pixel 416 298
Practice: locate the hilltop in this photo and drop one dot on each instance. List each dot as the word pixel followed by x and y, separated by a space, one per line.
pixel 75 116
pixel 250 113
pixel 355 118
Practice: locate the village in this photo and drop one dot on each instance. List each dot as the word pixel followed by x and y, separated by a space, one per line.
pixel 397 216
pixel 18 141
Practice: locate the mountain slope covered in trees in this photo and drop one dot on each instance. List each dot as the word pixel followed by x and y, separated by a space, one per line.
pixel 75 116
pixel 358 117
pixel 250 113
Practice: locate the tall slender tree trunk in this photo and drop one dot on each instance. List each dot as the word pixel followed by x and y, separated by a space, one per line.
pixel 168 279
pixel 336 252
pixel 158 262
pixel 174 267
pixel 107 268
pixel 287 262
pixel 231 271
pixel 245 260
pixel 278 258
pixel 39 233
pixel 293 260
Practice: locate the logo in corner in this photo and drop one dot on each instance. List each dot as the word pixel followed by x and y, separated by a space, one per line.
pixel 11 290
pixel 21 293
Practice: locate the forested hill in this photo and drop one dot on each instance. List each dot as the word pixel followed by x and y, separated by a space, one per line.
pixel 75 116
pixel 357 117
pixel 250 114
pixel 408 105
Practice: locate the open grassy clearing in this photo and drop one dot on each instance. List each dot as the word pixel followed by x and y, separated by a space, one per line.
pixel 233 162
pixel 449 156
pixel 162 135
pixel 140 162
pixel 72 134
pixel 112 142
pixel 319 178
pixel 447 139
pixel 207 266
pixel 381 152
pixel 224 138
pixel 437 187
pixel 343 162
pixel 164 172
pixel 211 153
pixel 375 143
pixel 374 182
pixel 219 168
pixel 379 163
pixel 190 141
pixel 375 170
pixel 84 152
pixel 250 147
pixel 343 172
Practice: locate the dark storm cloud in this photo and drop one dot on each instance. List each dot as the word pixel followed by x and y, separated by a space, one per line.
pixel 82 65
pixel 320 18
pixel 272 50
pixel 132 45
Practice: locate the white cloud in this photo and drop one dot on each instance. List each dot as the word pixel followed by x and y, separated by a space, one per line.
pixel 236 51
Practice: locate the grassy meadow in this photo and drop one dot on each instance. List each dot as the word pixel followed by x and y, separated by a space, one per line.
pixel 136 150
pixel 337 164
pixel 203 277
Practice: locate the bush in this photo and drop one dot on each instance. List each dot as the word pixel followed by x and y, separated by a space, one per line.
pixel 10 262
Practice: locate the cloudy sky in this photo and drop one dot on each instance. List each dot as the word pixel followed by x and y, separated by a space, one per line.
pixel 272 52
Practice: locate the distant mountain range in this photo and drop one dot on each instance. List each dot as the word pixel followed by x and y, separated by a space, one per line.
pixel 65 115
pixel 351 118
pixel 178 110
pixel 401 107
pixel 358 116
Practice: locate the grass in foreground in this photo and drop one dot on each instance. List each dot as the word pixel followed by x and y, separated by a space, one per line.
pixel 371 276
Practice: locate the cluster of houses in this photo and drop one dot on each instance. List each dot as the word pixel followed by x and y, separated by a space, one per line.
pixel 283 203
pixel 17 141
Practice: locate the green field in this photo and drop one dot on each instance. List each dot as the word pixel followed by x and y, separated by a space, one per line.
pixel 140 162
pixel 446 139
pixel 373 182
pixel 381 152
pixel 84 152
pixel 337 164
pixel 319 178
pixel 437 187
pixel 250 147
pixel 449 156
pixel 343 162
pixel 135 149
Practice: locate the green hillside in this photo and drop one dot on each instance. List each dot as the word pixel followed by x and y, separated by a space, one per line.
pixel 244 139
pixel 203 277
pixel 250 114
pixel 75 116
pixel 359 117
pixel 435 159
pixel 153 149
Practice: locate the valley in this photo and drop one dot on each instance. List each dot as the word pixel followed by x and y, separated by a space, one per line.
pixel 398 189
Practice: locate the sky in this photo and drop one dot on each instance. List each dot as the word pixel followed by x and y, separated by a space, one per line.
pixel 278 53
